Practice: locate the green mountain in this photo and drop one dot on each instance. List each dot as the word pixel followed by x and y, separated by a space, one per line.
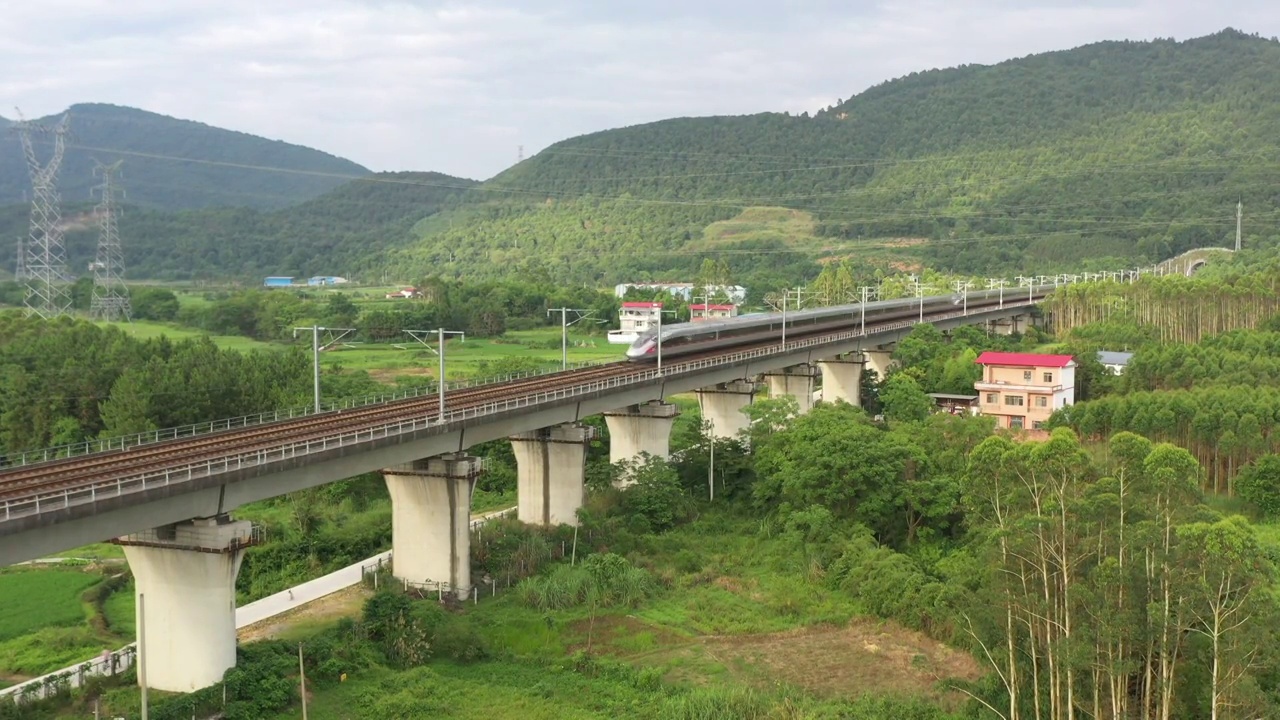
pixel 342 232
pixel 1111 152
pixel 177 164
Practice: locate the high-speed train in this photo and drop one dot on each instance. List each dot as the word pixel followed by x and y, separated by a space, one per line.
pixel 683 338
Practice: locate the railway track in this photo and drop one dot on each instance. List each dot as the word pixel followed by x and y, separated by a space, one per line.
pixel 70 474
pixel 57 474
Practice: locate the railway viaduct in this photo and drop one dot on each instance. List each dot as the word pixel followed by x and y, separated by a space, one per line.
pixel 169 503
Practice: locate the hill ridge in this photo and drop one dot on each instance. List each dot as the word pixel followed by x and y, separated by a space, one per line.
pixel 224 168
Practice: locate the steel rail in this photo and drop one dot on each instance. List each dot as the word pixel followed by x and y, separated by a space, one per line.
pixel 58 470
pixel 45 499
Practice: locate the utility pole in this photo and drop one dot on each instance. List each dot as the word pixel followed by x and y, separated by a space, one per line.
pixel 1239 221
pixel 962 286
pixel 711 469
pixel 866 290
pixel 302 682
pixel 46 264
pixel 316 349
pixel 439 351
pixel 142 651
pixel 995 283
pixel 1030 282
pixel 786 292
pixel 564 330
pixel 110 296
pixel 919 288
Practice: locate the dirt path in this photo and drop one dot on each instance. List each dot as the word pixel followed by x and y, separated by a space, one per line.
pixel 344 603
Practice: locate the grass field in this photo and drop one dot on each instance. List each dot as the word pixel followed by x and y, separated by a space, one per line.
pixel 144 330
pixel 471 357
pixel 34 599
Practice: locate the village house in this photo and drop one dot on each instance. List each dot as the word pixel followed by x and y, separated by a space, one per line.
pixel 1023 389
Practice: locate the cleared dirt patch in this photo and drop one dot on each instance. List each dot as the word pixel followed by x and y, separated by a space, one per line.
pixel 389 375
pixel 867 656
pixel 344 603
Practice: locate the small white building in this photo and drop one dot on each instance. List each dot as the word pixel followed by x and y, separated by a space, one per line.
pixel 1114 362
pixel 635 318
pixel 404 293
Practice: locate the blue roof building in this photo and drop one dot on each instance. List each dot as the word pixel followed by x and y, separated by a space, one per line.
pixel 278 281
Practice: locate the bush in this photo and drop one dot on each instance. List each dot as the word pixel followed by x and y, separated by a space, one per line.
pixel 656 499
pixel 1259 484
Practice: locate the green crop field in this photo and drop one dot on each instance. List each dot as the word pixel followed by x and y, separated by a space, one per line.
pixel 34 599
pixel 472 357
pixel 144 329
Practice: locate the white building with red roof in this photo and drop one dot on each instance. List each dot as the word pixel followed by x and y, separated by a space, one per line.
pixel 1023 389
pixel 635 318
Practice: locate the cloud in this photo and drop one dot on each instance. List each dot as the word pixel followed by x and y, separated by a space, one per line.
pixel 456 86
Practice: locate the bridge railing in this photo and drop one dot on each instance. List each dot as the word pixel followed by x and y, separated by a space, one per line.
pixel 124 442
pixel 50 501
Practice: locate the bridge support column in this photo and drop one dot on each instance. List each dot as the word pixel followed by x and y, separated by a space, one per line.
pixel 878 361
pixel 1010 325
pixel 550 473
pixel 185 575
pixel 796 381
pixel 722 406
pixel 842 379
pixel 431 519
pixel 644 428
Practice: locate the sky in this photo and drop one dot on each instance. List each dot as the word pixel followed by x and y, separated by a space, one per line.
pixel 458 87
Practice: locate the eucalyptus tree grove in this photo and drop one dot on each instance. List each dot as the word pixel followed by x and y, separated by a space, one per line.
pixel 1111 592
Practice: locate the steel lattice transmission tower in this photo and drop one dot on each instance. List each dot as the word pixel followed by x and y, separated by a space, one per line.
pixel 110 296
pixel 46 265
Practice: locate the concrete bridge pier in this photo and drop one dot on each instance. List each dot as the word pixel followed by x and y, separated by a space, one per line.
pixel 879 361
pixel 1010 325
pixel 550 473
pixel 722 407
pixel 643 428
pixel 431 519
pixel 796 381
pixel 842 379
pixel 185 575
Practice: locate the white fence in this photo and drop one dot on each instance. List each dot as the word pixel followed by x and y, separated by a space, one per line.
pixel 108 664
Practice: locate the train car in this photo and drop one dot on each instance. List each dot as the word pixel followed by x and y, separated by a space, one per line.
pixel 683 338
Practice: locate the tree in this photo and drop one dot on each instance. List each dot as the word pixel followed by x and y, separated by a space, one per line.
pixel 340 311
pixel 833 457
pixel 1227 571
pixel 1259 484
pixel 128 410
pixel 152 303
pixel 903 399
pixel 655 499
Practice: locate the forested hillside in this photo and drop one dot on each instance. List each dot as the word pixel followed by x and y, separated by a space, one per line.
pixel 339 233
pixel 1112 152
pixel 1109 154
pixel 220 171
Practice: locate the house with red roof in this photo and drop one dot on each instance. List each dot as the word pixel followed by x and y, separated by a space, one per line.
pixel 1023 389
pixel 635 318
pixel 713 311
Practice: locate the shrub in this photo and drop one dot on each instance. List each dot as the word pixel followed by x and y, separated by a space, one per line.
pixel 1259 484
